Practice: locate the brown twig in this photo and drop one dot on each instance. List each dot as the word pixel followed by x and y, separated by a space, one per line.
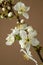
pixel 38 50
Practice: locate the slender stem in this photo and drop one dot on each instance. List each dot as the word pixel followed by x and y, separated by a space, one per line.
pixel 39 55
pixel 18 18
pixel 39 52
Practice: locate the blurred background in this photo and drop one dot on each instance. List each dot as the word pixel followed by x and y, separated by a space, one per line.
pixel 10 55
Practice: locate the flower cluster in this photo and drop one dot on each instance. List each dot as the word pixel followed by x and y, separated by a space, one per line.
pixel 26 36
pixel 22 9
pixel 8 9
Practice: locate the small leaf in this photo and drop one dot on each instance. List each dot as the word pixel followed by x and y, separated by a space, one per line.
pixel 17 37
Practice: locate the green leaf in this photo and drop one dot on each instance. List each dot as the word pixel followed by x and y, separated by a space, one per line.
pixel 17 37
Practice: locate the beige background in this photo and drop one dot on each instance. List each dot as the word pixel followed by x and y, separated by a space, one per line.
pixel 10 55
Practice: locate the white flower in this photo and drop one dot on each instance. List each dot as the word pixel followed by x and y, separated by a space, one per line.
pixel 29 56
pixel 26 40
pixel 32 40
pixel 24 44
pixel 10 39
pixel 10 14
pixel 1 1
pixel 22 9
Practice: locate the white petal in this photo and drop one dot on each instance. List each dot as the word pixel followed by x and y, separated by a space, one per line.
pixel 29 28
pixel 29 53
pixel 28 47
pixel 9 36
pixel 26 15
pixel 10 40
pixel 23 34
pixel 15 31
pixel 27 9
pixel 35 42
pixel 32 34
pixel 8 43
pixel 21 42
pixel 18 6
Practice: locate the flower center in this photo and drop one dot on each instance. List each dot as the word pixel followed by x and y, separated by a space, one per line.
pixel 27 40
pixel 22 9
